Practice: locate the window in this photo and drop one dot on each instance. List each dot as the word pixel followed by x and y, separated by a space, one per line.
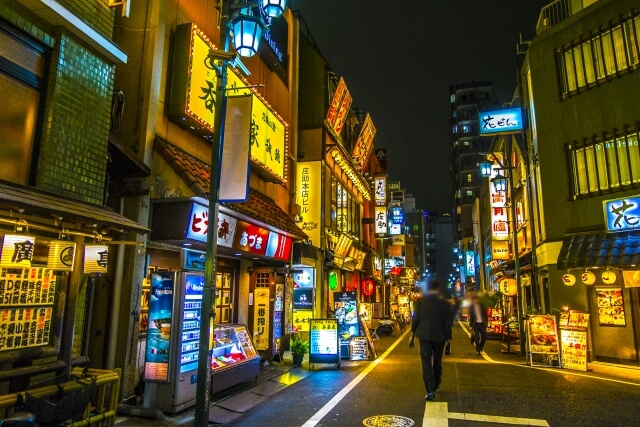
pixel 453 98
pixel 345 209
pixel 22 69
pixel 469 193
pixel 610 165
pixel 469 177
pixel 611 52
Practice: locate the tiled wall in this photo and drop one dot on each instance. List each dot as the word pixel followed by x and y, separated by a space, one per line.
pixel 17 15
pixel 73 156
pixel 96 13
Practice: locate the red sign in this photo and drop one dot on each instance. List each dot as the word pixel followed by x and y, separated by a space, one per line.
pixel 368 287
pixel 279 246
pixel 251 238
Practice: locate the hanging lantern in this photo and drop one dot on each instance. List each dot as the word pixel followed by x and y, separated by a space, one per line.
pixel 499 183
pixel 333 280
pixel 17 251
pixel 273 8
pixel 509 287
pixel 609 277
pixel 96 258
pixel 61 254
pixel 588 278
pixel 569 279
pixel 368 287
pixel 485 168
pixel 247 32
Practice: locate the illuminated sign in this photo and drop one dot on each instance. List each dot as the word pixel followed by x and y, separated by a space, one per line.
pixel 471 263
pixel 622 214
pixel 251 238
pixel 203 81
pixel 96 258
pixel 380 220
pixel 61 255
pixel 377 267
pixel 323 338
pixel 303 299
pixel 364 144
pixel 309 197
pixel 17 251
pixel 501 121
pixel 279 246
pixel 158 352
pixel 397 215
pixel 500 250
pixel 380 182
pixel 339 107
pixel 395 230
pixel 261 319
pixel 499 214
pixel 398 240
pixel 303 277
pixel 301 320
pixel 393 186
pixel 198 226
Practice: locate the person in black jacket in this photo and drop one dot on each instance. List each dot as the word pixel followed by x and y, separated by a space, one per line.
pixel 478 320
pixel 432 325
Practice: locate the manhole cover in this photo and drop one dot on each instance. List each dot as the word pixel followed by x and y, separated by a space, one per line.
pixel 388 421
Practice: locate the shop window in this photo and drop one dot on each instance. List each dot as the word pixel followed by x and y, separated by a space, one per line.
pixel 347 209
pixel 22 67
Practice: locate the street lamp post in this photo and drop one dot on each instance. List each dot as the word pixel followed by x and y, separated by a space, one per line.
pixel 247 31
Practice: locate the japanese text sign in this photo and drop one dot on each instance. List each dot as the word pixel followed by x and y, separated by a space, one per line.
pixel 261 318
pixel 203 81
pixel 471 263
pixel 96 258
pixel 499 213
pixel 397 215
pixel 380 219
pixel 508 120
pixel 574 349
pixel 500 250
pixel 301 320
pixel 622 214
pixel 198 227
pixel 323 338
pixel 17 251
pixel 380 182
pixel 339 107
pixel 364 144
pixel 309 197
pixel 251 238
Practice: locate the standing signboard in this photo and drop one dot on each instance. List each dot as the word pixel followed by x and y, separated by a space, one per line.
pixel 346 312
pixel 543 341
pixel 324 346
pixel 367 334
pixel 261 318
pixel 573 339
pixel 158 354
pixel 358 348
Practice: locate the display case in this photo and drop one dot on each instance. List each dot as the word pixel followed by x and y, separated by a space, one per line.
pixel 234 360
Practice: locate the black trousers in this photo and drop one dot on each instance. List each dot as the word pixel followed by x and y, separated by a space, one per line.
pixel 431 355
pixel 480 335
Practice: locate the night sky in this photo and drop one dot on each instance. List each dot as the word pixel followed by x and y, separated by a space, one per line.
pixel 399 58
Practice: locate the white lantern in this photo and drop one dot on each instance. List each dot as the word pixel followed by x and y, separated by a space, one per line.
pixel 96 258
pixel 569 279
pixel 609 277
pixel 61 255
pixel 509 287
pixel 588 278
pixel 17 251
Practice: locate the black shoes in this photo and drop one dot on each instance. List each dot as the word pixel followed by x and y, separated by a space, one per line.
pixel 478 353
pixel 430 396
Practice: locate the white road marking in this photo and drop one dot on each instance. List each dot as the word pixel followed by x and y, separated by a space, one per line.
pixel 556 371
pixel 436 414
pixel 318 416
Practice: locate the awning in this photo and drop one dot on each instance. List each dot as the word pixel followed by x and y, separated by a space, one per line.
pixel 37 202
pixel 600 250
pixel 196 175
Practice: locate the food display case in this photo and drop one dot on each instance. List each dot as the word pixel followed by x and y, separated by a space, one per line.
pixel 234 360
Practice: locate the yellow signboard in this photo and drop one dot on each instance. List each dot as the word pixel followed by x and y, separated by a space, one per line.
pixel 364 144
pixel 500 250
pixel 324 324
pixel 301 320
pixel 309 197
pixel 201 96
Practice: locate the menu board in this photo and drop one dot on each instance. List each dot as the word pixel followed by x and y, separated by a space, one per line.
pixel 192 307
pixel 578 319
pixel 367 334
pixel 27 296
pixel 494 321
pixel 346 311
pixel 323 337
pixel 358 348
pixel 574 349
pixel 610 306
pixel 564 318
pixel 543 334
pixel 156 367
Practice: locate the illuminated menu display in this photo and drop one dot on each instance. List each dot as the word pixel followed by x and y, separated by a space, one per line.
pixel 324 337
pixel 192 308
pixel 159 330
pixel 27 297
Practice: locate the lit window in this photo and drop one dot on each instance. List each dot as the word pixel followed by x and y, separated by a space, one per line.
pixel 469 177
pixel 453 98
pixel 469 193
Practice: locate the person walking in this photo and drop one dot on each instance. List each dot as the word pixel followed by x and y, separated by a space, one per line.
pixel 432 325
pixel 478 322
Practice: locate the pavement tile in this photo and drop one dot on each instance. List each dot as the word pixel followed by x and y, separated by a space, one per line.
pixel 241 402
pixel 220 415
pixel 268 388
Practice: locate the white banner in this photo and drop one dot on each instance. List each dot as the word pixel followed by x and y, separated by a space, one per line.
pixel 234 162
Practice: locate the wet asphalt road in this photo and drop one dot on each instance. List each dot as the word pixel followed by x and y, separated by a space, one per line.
pixel 471 385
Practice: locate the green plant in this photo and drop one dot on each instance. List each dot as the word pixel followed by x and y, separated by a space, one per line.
pixel 299 346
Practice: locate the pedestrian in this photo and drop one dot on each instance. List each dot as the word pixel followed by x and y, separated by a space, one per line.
pixel 432 325
pixel 478 323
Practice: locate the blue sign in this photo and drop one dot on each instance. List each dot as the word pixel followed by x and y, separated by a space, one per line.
pixel 471 263
pixel 622 214
pixel 157 355
pixel 501 121
pixel 397 215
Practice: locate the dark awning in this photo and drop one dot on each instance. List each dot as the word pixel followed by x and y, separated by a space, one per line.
pixel 34 201
pixel 600 250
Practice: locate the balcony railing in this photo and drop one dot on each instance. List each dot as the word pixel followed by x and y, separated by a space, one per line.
pixel 556 12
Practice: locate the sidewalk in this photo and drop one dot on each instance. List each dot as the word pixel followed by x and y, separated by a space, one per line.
pixel 608 372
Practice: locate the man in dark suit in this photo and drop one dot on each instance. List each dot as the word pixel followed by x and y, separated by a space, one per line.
pixel 432 325
pixel 478 320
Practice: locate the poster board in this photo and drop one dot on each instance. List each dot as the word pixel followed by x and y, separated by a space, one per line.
pixel 577 319
pixel 346 312
pixel 542 333
pixel 158 352
pixel 367 333
pixel 494 321
pixel 574 349
pixel 610 307
pixel 358 348
pixel 324 346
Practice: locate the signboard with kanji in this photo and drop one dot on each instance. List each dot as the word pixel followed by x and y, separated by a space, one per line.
pixel 574 349
pixel 323 341
pixel 301 319
pixel 622 214
pixel 339 107
pixel 261 318
pixel 364 144
pixel 309 197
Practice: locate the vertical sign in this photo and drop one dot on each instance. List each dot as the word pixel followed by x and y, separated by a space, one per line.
pixel 381 221
pixel 346 311
pixel 261 320
pixel 340 105
pixel 380 182
pixel 499 216
pixel 471 263
pixel 309 195
pixel 157 357
pixel 364 144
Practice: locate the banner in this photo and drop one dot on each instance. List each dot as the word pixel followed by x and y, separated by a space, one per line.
pixel 234 162
pixel 339 107
pixel 309 197
pixel 261 318
pixel 364 144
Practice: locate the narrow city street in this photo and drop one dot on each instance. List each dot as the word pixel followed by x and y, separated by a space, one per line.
pixel 476 391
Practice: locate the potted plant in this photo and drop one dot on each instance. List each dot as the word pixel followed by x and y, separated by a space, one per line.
pixel 299 348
